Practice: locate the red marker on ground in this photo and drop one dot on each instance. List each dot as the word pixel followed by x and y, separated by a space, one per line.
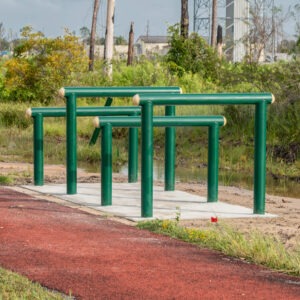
pixel 214 219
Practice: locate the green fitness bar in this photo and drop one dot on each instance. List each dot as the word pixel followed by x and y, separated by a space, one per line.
pixel 71 94
pixel 71 149
pixel 170 152
pixel 213 163
pixel 260 100
pixel 38 113
pixel 133 155
pixel 203 99
pixel 106 165
pixel 147 161
pixel 260 157
pixel 84 111
pixel 38 150
pixel 96 132
pixel 113 111
pixel 163 121
pixel 213 122
pixel 115 91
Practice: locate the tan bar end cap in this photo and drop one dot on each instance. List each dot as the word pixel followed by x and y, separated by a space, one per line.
pixel 28 113
pixel 273 98
pixel 96 122
pixel 61 92
pixel 136 99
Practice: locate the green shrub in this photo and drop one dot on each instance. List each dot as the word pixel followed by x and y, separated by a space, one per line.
pixel 40 66
pixel 12 115
pixel 192 55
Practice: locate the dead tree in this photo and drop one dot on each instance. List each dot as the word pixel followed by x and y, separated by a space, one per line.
pixel 93 35
pixel 214 24
pixel 109 37
pixel 184 27
pixel 130 46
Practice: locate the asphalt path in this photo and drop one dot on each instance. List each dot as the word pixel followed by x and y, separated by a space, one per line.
pixel 94 257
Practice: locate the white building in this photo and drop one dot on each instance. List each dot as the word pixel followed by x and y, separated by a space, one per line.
pixel 149 45
pixel 237 27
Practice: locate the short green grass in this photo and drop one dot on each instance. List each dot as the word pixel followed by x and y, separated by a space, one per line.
pixel 255 247
pixel 14 286
pixel 5 180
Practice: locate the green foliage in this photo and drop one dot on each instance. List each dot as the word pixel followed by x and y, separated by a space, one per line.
pixel 15 116
pixel 285 128
pixel 5 180
pixel 192 55
pixel 14 286
pixel 120 40
pixel 41 65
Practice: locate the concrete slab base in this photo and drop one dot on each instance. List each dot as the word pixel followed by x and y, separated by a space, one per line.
pixel 126 202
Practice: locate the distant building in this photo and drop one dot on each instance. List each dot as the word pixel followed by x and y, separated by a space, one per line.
pixel 237 27
pixel 120 51
pixel 144 46
pixel 148 45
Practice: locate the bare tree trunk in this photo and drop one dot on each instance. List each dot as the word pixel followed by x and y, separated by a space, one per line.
pixel 220 41
pixel 93 34
pixel 214 24
pixel 184 27
pixel 130 45
pixel 109 37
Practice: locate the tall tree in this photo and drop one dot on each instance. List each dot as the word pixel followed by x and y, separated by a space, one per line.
pixel 3 42
pixel 213 41
pixel 109 37
pixel 93 35
pixel 184 28
pixel 264 27
pixel 130 45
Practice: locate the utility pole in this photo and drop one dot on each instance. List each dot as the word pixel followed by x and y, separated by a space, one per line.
pixel 109 37
pixel 93 34
pixel 214 24
pixel 184 23
pixel 130 45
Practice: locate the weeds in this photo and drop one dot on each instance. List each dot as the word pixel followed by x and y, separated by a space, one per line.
pixel 256 247
pixel 5 180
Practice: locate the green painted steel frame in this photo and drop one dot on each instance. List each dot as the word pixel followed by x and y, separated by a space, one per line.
pixel 39 113
pixel 213 122
pixel 260 100
pixel 71 94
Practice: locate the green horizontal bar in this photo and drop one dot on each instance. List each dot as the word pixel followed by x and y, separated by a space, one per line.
pixel 166 121
pixel 86 111
pixel 116 91
pixel 203 99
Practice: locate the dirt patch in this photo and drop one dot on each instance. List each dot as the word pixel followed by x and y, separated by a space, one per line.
pixel 286 226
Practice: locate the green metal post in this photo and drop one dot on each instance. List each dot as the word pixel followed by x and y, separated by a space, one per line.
pixel 109 101
pixel 213 162
pixel 94 137
pixel 147 160
pixel 260 157
pixel 170 152
pixel 133 155
pixel 71 145
pixel 38 150
pixel 106 165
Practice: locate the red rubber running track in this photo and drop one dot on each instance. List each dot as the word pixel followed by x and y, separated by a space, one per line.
pixel 95 258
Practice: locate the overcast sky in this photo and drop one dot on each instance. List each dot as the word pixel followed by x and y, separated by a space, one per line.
pixel 52 16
